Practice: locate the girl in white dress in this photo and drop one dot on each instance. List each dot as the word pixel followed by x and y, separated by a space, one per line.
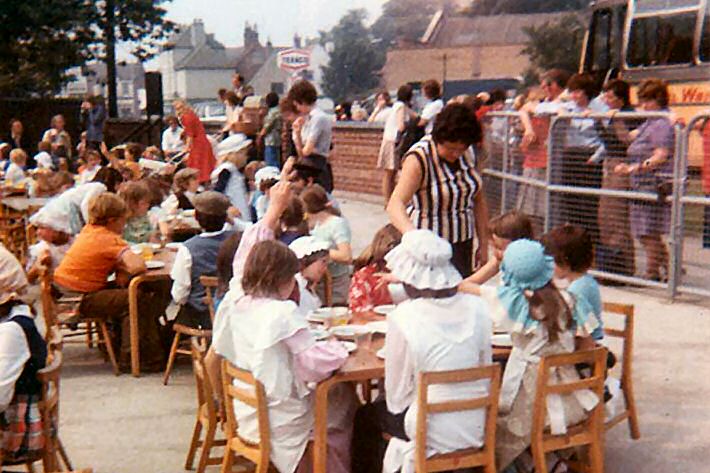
pixel 436 329
pixel 264 333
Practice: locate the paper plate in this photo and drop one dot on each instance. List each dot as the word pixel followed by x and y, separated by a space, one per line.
pixel 384 309
pixel 173 245
pixel 319 333
pixel 501 340
pixel 349 346
pixel 348 331
pixel 377 327
pixel 154 264
pixel 380 353
pixel 319 315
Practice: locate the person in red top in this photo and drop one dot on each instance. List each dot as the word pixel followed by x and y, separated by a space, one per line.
pixel 366 288
pixel 198 146
pixel 98 251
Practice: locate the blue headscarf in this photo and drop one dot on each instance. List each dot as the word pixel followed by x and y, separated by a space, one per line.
pixel 526 267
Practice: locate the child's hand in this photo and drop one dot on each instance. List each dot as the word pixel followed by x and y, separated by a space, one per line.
pixel 385 279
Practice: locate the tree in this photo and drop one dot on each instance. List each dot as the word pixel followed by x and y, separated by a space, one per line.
pixel 405 19
pixel 40 40
pixel 554 45
pixel 354 60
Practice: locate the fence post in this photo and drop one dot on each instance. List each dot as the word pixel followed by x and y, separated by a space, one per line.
pixel 548 174
pixel 676 231
pixel 505 166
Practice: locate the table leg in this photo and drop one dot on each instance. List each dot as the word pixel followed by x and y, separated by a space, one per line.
pixel 133 320
pixel 320 428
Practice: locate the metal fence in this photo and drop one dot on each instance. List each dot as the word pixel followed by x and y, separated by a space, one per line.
pixel 650 227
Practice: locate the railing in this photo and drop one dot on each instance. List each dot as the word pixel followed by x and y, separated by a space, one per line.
pixel 649 229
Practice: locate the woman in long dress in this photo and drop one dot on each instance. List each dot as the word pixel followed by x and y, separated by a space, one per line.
pixel 198 146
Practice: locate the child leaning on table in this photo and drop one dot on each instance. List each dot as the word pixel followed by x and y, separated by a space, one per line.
pixel 137 196
pixel 198 257
pixel 542 320
pixel 264 334
pixel 504 229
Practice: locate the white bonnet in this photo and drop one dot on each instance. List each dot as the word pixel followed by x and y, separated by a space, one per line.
pixel 54 220
pixel 268 172
pixel 423 260
pixel 233 144
pixel 308 245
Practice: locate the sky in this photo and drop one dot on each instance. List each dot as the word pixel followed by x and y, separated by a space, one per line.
pixel 277 20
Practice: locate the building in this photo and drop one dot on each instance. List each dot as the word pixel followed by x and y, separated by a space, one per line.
pixel 92 79
pixel 194 65
pixel 271 78
pixel 464 49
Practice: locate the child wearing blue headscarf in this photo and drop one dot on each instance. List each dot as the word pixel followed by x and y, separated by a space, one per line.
pixel 541 320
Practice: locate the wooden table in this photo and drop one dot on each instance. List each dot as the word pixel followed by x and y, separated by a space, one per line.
pixel 23 204
pixel 362 365
pixel 167 256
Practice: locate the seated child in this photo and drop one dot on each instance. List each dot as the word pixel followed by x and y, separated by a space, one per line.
pixel 15 173
pixel 327 224
pixel 131 155
pixel 250 171
pixel 185 186
pixel 367 290
pixel 293 222
pixel 97 252
pixel 573 251
pixel 227 179
pixel 138 197
pixel 542 320
pixel 437 329
pixel 43 158
pixel 505 228
pixel 197 257
pixel 265 334
pixel 312 255
pixel 225 258
pixel 265 178
pixel 54 240
pixel 93 164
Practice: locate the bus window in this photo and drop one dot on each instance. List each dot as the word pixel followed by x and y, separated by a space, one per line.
pixel 661 40
pixel 705 38
pixel 601 49
pixel 649 6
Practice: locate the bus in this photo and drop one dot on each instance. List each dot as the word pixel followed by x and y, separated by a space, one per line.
pixel 666 39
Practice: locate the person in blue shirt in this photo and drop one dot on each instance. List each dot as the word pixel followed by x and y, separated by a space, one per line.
pixel 571 247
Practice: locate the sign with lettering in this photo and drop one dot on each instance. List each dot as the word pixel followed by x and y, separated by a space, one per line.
pixel 292 60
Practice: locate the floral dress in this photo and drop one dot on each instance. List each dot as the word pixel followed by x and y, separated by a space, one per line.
pixel 364 291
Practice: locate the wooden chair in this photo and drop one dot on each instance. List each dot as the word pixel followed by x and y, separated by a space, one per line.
pixel 255 397
pixel 590 432
pixel 626 334
pixel 472 457
pixel 210 284
pixel 207 416
pixel 63 314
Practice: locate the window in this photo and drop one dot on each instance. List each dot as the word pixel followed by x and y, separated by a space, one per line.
pixel 705 38
pixel 653 6
pixel 661 40
pixel 125 88
pixel 600 47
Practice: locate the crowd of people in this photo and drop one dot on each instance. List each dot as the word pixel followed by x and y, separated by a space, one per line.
pixel 272 232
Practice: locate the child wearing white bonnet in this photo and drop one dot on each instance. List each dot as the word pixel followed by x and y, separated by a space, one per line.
pixel 312 254
pixel 436 329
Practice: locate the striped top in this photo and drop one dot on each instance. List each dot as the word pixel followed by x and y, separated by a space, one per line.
pixel 445 199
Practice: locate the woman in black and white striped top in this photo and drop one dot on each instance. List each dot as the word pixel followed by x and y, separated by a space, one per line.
pixel 440 190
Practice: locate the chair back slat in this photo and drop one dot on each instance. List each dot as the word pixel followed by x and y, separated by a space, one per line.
pixel 464 458
pixel 210 284
pixel 258 454
pixel 198 351
pixel 49 410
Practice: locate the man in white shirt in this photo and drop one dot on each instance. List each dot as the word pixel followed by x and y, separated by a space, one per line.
pixel 432 92
pixel 172 138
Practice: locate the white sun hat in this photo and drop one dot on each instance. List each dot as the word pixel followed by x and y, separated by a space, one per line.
pixel 423 260
pixel 47 218
pixel 233 144
pixel 308 245
pixel 268 172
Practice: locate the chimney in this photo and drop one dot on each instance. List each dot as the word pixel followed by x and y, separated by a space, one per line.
pixel 296 40
pixel 197 32
pixel 251 35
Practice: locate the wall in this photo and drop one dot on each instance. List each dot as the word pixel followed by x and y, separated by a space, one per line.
pixel 354 157
pixel 203 84
pixel 463 63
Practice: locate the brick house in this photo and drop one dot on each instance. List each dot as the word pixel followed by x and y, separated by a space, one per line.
pixel 464 48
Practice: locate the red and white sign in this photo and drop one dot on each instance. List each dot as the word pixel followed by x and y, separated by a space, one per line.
pixel 293 60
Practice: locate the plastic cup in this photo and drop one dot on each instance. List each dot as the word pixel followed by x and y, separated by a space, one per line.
pixel 146 252
pixel 363 340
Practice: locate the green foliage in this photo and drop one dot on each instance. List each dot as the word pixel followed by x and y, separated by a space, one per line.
pixel 41 39
pixel 354 60
pixel 554 45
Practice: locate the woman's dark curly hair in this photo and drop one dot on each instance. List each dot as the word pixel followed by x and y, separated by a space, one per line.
pixel 457 123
